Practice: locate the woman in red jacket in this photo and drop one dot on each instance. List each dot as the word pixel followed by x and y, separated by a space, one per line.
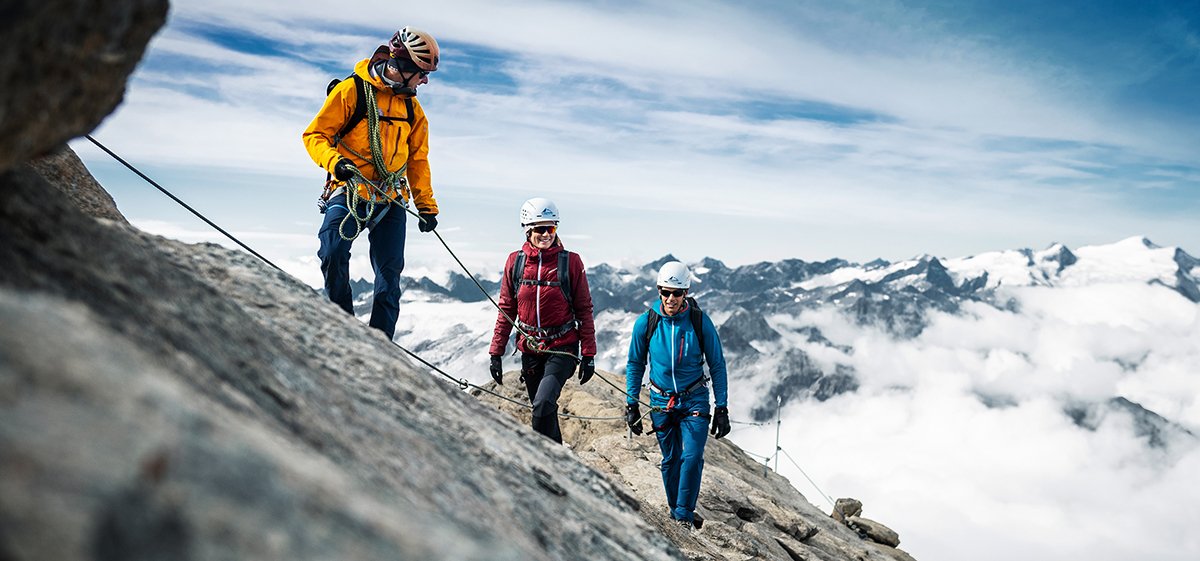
pixel 544 288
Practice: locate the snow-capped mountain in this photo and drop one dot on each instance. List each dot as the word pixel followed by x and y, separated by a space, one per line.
pixel 796 330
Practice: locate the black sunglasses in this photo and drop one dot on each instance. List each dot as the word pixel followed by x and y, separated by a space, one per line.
pixel 406 66
pixel 545 229
pixel 667 293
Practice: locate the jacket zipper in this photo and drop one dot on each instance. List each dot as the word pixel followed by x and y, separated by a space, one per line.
pixel 538 301
pixel 674 383
pixel 399 129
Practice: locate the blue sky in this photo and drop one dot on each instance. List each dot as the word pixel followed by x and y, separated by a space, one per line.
pixel 763 131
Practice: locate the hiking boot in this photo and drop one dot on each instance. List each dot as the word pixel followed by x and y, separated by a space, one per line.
pixel 697 520
pixel 685 525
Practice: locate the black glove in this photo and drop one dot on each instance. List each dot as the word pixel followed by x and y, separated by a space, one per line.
pixel 633 418
pixel 587 368
pixel 720 426
pixel 427 223
pixel 344 169
pixel 497 370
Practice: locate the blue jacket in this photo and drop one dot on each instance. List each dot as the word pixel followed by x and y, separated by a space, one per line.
pixel 675 361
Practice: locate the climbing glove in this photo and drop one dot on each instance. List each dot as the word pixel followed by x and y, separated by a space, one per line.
pixel 344 169
pixel 497 370
pixel 587 368
pixel 720 426
pixel 633 418
pixel 427 223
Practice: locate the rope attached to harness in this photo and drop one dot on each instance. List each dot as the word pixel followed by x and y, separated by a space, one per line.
pixel 389 181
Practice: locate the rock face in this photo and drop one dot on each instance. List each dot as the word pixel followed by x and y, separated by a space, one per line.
pixel 64 66
pixel 63 169
pixel 238 415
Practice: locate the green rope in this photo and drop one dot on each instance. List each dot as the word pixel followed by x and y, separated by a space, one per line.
pixel 388 180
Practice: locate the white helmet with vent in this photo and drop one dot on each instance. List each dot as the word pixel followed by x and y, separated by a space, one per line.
pixel 675 275
pixel 538 210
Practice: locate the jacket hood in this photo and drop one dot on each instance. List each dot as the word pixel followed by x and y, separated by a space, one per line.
pixel 363 69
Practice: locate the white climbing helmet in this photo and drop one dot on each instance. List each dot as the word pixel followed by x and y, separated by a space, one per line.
pixel 538 210
pixel 675 275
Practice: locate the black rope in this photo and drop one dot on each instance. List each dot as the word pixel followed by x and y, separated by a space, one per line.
pixel 181 203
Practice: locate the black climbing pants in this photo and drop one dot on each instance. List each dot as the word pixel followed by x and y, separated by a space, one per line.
pixel 545 375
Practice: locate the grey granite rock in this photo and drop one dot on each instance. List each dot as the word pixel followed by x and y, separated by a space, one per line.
pixel 64 66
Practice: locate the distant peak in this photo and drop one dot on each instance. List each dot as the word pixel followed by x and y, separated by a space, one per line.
pixel 1139 240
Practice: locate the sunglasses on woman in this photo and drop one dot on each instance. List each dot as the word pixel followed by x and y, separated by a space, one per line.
pixel 545 229
pixel 668 293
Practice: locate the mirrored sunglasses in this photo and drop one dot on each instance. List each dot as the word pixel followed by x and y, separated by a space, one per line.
pixel 550 229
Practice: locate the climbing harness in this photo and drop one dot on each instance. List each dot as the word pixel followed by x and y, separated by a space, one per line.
pixel 671 396
pixel 675 417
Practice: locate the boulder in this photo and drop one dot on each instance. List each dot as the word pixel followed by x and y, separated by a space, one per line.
pixel 844 508
pixel 874 531
pixel 64 67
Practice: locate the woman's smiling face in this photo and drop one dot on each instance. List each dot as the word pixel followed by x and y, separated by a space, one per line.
pixel 542 236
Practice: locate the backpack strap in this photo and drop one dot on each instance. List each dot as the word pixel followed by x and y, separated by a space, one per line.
pixel 517 272
pixel 564 277
pixel 360 109
pixel 697 317
pixel 652 318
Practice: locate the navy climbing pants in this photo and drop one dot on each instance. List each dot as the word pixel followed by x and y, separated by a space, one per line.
pixel 386 238
pixel 545 375
pixel 682 433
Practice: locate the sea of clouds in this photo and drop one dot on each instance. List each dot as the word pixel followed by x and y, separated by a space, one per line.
pixel 959 439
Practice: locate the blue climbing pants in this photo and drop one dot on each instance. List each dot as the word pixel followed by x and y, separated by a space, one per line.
pixel 386 239
pixel 682 433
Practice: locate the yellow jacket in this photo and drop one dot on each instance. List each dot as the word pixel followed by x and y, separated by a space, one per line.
pixel 402 143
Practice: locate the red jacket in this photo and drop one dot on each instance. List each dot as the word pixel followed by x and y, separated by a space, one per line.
pixel 545 306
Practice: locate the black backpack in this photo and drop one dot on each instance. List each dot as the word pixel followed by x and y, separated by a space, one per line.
pixel 564 276
pixel 694 313
pixel 360 107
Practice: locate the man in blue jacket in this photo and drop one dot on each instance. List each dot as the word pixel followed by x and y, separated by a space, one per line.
pixel 676 338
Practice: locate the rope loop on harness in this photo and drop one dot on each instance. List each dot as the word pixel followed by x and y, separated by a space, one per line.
pixel 389 181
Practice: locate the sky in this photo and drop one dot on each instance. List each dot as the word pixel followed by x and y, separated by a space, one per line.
pixel 751 132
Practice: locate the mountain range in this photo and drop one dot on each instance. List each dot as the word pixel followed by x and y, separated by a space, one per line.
pixel 759 310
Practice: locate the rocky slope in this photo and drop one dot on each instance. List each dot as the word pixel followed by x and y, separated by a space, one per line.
pixel 168 401
pixel 246 417
pixel 749 512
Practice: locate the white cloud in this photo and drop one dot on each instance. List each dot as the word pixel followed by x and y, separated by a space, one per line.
pixel 961 480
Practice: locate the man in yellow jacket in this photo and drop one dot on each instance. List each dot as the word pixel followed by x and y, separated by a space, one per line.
pixel 372 136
